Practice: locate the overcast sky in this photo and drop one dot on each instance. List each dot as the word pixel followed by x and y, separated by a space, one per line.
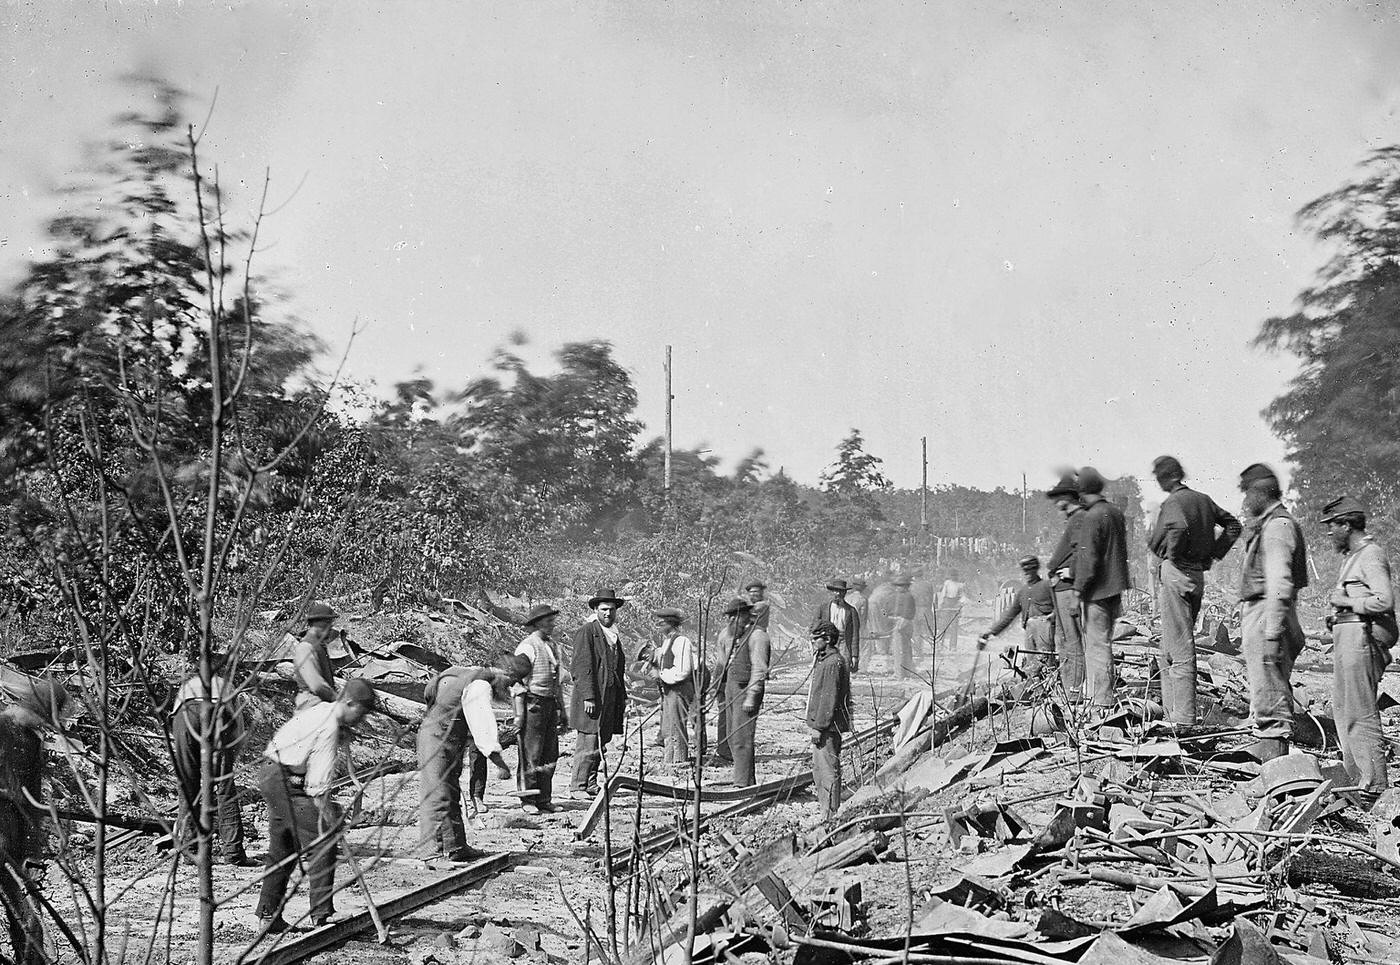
pixel 1036 233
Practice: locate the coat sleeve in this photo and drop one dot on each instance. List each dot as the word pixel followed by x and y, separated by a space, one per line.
pixel 1012 612
pixel 1230 530
pixel 1279 542
pixel 1376 593
pixel 308 671
pixel 1092 539
pixel 822 698
pixel 581 665
pixel 760 652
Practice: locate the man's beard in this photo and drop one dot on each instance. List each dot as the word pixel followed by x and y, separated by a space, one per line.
pixel 607 619
pixel 1342 544
pixel 1255 503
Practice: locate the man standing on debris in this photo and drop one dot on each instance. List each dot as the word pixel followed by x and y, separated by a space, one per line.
pixel 757 592
pixel 673 662
pixel 1185 540
pixel 33 706
pixel 1035 605
pixel 214 714
pixel 458 727
pixel 304 824
pixel 1069 645
pixel 538 711
pixel 903 612
pixel 745 650
pixel 312 660
pixel 828 716
pixel 1363 631
pixel 599 697
pixel 841 615
pixel 1274 569
pixel 1100 577
pixel 952 597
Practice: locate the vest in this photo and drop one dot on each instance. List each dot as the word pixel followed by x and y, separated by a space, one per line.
pixel 1252 573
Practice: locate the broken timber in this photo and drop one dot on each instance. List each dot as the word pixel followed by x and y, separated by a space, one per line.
pixel 328 936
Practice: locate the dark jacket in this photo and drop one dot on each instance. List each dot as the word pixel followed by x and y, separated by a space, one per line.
pixel 599 672
pixel 1032 600
pixel 850 636
pixel 1184 533
pixel 1101 563
pixel 829 701
pixel 1066 549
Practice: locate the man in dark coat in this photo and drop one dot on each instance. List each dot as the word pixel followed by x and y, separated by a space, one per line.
pixel 745 651
pixel 845 618
pixel 1069 636
pixel 1100 577
pixel 600 690
pixel 903 611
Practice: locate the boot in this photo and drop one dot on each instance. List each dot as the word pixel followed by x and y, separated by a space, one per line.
pixel 1267 748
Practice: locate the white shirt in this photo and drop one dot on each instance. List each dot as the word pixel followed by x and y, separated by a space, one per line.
pixel 543 680
pixel 481 719
pixel 838 616
pixel 307 744
pixel 674 659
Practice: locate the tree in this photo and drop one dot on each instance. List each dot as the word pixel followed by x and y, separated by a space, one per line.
pixel 1340 417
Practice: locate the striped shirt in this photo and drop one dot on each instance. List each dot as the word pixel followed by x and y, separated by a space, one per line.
pixel 544 667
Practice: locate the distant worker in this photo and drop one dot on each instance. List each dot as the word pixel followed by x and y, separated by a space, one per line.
pixel 1100 577
pixel 216 715
pixel 599 697
pixel 903 611
pixel 757 592
pixel 1035 605
pixel 1273 569
pixel 673 661
pixel 31 706
pixel 952 598
pixel 841 615
pixel 828 716
pixel 860 602
pixel 311 657
pixel 745 651
pixel 304 824
pixel 1186 541
pixel 538 711
pixel 1069 637
pixel 459 729
pixel 1363 631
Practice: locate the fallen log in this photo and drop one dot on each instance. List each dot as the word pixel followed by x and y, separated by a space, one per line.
pixel 857 849
pixel 1350 876
pixel 960 718
pixel 329 936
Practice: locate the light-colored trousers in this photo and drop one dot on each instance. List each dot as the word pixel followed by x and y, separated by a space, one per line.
pixel 1269 666
pixel 826 772
pixel 1099 618
pixel 1358 660
pixel 1179 596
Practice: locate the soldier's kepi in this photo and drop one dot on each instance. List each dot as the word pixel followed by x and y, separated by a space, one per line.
pixel 1363 631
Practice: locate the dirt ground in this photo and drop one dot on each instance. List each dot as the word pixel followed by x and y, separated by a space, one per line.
pixel 556 879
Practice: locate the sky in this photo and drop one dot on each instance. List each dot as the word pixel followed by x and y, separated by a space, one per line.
pixel 1036 233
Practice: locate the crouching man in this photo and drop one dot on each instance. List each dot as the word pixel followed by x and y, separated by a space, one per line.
pixel 304 823
pixel 828 716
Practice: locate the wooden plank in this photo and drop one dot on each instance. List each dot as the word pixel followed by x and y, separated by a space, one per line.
pixel 336 933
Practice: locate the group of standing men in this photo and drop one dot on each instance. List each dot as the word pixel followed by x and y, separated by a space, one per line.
pixel 1070 617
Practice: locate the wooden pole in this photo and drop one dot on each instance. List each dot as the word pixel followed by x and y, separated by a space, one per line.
pixel 669 398
pixel 923 492
pixel 1023 502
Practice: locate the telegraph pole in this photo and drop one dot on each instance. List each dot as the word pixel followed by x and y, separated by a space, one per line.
pixel 669 397
pixel 1023 503
pixel 923 493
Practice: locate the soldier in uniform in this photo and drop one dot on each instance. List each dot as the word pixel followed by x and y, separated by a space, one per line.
pixel 1274 568
pixel 1363 631
pixel 1033 603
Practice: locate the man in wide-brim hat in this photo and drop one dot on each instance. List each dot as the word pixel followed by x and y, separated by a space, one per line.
pixel 841 615
pixel 538 711
pixel 599 698
pixel 1059 570
pixel 673 661
pixel 311 659
pixel 744 650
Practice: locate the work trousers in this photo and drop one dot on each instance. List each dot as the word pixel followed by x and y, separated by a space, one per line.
pixel 1179 595
pixel 1038 650
pixel 947 627
pixel 902 647
pixel 441 829
pixel 1069 642
pixel 539 748
pixel 184 738
pixel 1358 660
pixel 1099 618
pixel 675 722
pixel 588 759
pixel 297 825
pixel 742 725
pixel 26 927
pixel 722 751
pixel 1269 666
pixel 826 772
pixel 851 652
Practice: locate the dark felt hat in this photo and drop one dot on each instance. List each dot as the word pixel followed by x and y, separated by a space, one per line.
pixel 902 579
pixel 538 612
pixel 858 583
pixel 827 630
pixel 361 693
pixel 605 596
pixel 1256 472
pixel 755 585
pixel 1067 486
pixel 320 611
pixel 1090 481
pixel 1030 562
pixel 838 584
pixel 1342 506
pixel 737 605
pixel 669 613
